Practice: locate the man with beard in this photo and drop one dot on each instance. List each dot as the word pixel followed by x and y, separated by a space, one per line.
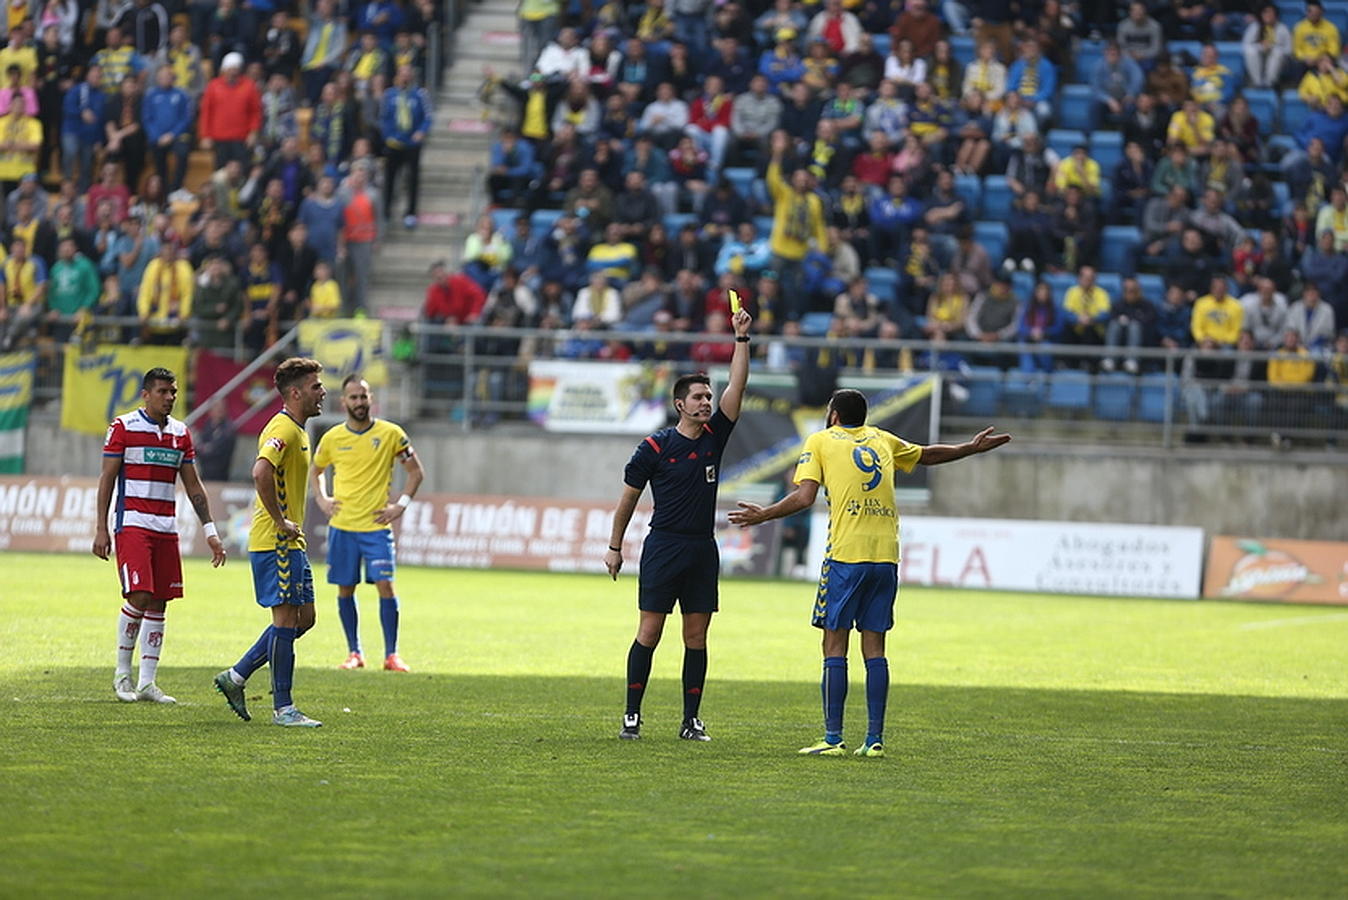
pixel 362 451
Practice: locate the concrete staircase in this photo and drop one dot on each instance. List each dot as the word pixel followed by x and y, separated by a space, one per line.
pixel 453 159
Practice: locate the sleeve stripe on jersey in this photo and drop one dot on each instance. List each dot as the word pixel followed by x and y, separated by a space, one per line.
pixel 654 445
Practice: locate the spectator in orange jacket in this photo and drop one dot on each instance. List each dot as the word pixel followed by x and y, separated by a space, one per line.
pixel 231 113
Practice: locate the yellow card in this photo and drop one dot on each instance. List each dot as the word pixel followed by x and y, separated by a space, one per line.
pixel 734 302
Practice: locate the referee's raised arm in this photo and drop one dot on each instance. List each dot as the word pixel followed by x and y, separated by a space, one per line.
pixel 739 367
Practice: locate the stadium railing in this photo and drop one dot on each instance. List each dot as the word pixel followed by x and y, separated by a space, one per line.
pixel 477 377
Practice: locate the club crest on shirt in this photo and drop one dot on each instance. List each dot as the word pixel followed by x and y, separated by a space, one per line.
pixel 711 474
pixel 276 444
pixel 375 441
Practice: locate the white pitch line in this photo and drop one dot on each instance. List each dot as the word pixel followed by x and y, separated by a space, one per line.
pixel 1294 620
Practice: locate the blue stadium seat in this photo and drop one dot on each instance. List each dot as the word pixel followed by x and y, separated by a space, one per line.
pixel 815 324
pixel 1074 106
pixel 1290 12
pixel 1336 13
pixel 1069 391
pixel 676 221
pixel 742 180
pixel 1283 193
pixel 1264 108
pixel 1022 285
pixel 1107 150
pixel 985 391
pixel 504 219
pixel 883 282
pixel 880 42
pixel 963 48
pixel 1153 288
pixel 970 189
pixel 1112 282
pixel 1058 283
pixel 1023 393
pixel 1182 49
pixel 542 220
pixel 1114 397
pixel 1294 112
pixel 994 237
pixel 1062 140
pixel 1229 54
pixel 1106 190
pixel 997 198
pixel 1089 54
pixel 762 223
pixel 1156 394
pixel 1118 248
pixel 1284 142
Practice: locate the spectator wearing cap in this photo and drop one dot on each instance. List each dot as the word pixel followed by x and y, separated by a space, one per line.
pixel 164 301
pixel 406 121
pixel 781 64
pixel 231 113
pixel 322 49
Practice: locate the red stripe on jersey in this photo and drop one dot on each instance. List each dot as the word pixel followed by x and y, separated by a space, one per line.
pixel 149 472
pixel 653 444
pixel 150 507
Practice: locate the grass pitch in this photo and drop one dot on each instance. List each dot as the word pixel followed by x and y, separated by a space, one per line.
pixel 1038 746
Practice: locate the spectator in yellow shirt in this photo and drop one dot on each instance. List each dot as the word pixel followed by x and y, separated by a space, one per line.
pixel 325 297
pixel 1087 306
pixel 1193 127
pixel 1334 217
pixel 947 310
pixel 797 217
pixel 1217 318
pixel 1209 79
pixel 1314 36
pixel 1078 170
pixel 20 140
pixel 1292 363
pixel 1325 80
pixel 164 302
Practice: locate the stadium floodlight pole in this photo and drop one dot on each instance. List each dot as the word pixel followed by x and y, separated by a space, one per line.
pixel 282 343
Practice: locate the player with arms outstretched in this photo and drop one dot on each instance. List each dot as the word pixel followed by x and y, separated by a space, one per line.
pixel 679 560
pixel 282 579
pixel 859 579
pixel 145 453
pixel 362 451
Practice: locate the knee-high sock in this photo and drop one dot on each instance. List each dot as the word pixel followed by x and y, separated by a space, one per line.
pixel 346 611
pixel 128 629
pixel 282 665
pixel 638 673
pixel 834 689
pixel 694 678
pixel 151 640
pixel 388 620
pixel 877 696
pixel 258 654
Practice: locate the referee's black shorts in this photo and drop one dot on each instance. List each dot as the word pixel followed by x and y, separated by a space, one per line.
pixel 682 569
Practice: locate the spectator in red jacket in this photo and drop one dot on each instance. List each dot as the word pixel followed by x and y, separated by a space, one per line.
pixel 453 299
pixel 231 113
pixel 709 121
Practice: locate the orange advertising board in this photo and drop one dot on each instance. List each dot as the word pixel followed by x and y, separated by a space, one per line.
pixel 1241 568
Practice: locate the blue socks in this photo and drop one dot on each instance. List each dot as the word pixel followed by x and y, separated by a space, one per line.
pixel 282 665
pixel 834 688
pixel 346 611
pixel 388 619
pixel 257 655
pixel 877 696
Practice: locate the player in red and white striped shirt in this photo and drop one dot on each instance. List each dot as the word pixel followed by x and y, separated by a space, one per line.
pixel 143 456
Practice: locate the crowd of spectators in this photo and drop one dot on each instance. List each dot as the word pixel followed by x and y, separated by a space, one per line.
pixel 628 119
pixel 210 169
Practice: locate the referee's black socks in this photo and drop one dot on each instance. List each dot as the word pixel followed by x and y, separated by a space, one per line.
pixel 638 673
pixel 694 677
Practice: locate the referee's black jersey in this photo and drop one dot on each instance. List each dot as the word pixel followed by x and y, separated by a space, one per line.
pixel 683 475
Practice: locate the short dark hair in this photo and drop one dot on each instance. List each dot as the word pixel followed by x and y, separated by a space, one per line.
pixel 850 406
pixel 294 370
pixel 158 373
pixel 684 383
pixel 353 377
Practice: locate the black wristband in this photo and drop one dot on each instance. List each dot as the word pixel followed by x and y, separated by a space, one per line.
pixel 742 339
pixel 616 549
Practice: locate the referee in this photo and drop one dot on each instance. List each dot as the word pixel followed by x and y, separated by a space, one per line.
pixel 679 561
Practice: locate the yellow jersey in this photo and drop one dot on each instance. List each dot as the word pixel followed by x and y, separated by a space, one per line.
pixel 1217 320
pixel 325 300
pixel 856 467
pixel 1310 40
pixel 284 444
pixel 1191 134
pixel 362 463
